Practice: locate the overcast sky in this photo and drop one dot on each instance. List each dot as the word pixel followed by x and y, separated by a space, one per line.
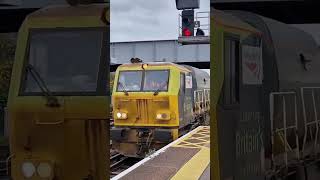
pixel 138 20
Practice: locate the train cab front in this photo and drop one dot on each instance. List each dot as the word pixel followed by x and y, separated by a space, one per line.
pixel 58 103
pixel 145 108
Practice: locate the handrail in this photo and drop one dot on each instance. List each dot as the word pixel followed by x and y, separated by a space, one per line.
pixel 282 131
pixel 38 122
pixel 308 124
pixel 201 99
pixel 7 163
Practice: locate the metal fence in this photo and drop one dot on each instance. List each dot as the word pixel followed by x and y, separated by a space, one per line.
pixel 204 18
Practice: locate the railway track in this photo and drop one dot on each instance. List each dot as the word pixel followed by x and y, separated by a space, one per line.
pixel 3 163
pixel 3 168
pixel 119 163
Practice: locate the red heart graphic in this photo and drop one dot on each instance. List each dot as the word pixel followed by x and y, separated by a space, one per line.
pixel 251 66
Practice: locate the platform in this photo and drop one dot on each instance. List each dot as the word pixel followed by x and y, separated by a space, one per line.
pixel 185 158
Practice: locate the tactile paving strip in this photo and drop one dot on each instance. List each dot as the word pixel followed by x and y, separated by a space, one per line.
pixel 206 174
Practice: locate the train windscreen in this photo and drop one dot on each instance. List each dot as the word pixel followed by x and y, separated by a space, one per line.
pixel 130 81
pixel 148 80
pixel 64 60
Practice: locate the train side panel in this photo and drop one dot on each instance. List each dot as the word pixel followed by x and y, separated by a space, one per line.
pixel 231 116
pixel 270 108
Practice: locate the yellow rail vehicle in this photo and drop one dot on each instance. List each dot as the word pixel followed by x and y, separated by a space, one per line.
pixel 58 102
pixel 155 103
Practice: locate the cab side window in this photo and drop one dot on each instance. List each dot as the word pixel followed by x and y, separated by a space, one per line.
pixel 182 83
pixel 231 71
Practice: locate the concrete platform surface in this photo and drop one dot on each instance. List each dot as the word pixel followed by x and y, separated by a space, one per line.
pixel 186 158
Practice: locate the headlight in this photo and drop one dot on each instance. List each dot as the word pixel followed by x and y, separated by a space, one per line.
pixel 118 115
pixel 44 170
pixel 28 169
pixel 163 116
pixel 122 115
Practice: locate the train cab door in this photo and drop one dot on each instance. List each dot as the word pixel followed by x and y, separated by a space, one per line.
pixel 237 113
pixel 228 106
pixel 181 100
pixel 185 99
pixel 249 126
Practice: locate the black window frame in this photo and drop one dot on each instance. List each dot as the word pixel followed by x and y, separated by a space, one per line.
pixel 121 89
pixel 183 77
pixel 143 78
pixel 102 79
pixel 231 86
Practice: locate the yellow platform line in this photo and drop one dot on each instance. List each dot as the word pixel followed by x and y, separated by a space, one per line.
pixel 194 168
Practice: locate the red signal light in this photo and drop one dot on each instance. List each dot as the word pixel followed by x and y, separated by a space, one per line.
pixel 186 32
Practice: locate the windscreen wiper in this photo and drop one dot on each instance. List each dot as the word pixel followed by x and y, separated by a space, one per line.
pixel 52 101
pixel 123 88
pixel 157 91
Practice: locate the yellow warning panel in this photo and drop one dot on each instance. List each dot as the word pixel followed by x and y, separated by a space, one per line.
pixel 200 137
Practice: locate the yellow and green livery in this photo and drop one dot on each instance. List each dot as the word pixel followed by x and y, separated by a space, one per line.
pixel 154 103
pixel 58 103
